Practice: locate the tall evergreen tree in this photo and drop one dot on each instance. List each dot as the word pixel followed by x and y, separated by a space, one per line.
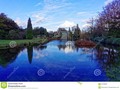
pixel 77 33
pixel 29 34
pixel 78 30
pixel 70 34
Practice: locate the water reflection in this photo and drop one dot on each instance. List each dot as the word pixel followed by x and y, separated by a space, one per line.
pixel 30 53
pixel 109 57
pixel 40 47
pixel 86 50
pixel 57 57
pixel 37 55
pixel 68 47
pixel 8 56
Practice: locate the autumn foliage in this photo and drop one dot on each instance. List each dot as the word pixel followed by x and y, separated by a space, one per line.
pixel 84 43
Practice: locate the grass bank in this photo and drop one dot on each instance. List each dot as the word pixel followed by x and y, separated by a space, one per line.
pixel 35 41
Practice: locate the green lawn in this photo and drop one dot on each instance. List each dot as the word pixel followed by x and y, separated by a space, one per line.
pixel 5 43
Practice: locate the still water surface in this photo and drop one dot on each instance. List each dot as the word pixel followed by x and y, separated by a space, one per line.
pixel 57 61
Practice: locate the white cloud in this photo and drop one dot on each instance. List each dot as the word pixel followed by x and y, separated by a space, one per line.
pixel 67 24
pixel 37 18
pixel 86 25
pixel 38 4
pixel 52 6
pixel 55 4
pixel 90 13
pixel 81 13
pixel 21 22
pixel 47 14
pixel 108 1
pixel 85 20
pixel 48 29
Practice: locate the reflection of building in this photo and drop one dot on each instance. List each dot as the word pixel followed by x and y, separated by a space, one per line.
pixel 67 48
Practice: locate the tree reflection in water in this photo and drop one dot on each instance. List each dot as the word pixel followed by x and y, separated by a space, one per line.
pixel 109 57
pixel 30 53
pixel 8 56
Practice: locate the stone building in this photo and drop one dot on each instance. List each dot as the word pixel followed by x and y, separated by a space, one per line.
pixel 63 33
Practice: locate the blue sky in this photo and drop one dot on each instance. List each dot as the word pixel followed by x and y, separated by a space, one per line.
pixel 52 14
